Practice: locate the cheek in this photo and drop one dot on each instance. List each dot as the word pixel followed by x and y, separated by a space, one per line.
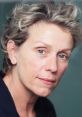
pixel 31 66
pixel 62 69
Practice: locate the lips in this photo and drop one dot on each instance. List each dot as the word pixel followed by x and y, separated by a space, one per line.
pixel 47 81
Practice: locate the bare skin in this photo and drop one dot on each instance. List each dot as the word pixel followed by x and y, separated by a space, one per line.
pixel 39 64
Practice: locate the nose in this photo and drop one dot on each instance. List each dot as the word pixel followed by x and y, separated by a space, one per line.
pixel 52 64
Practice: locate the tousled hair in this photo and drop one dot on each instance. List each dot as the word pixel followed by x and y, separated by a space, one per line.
pixel 23 16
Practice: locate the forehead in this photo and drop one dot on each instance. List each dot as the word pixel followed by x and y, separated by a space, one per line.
pixel 50 33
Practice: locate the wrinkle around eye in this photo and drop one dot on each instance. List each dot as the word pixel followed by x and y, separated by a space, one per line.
pixel 63 57
pixel 42 51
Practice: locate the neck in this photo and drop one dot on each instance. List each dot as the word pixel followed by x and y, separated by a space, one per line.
pixel 23 98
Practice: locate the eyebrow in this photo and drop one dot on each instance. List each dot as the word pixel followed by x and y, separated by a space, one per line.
pixel 43 43
pixel 66 49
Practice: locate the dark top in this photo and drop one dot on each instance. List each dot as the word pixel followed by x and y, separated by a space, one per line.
pixel 43 107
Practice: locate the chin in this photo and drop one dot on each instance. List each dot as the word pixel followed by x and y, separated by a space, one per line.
pixel 44 93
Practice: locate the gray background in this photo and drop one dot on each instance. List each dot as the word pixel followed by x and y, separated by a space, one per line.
pixel 67 97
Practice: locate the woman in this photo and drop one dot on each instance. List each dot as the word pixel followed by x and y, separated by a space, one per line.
pixel 37 43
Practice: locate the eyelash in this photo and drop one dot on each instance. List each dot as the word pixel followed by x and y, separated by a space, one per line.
pixel 65 56
pixel 41 51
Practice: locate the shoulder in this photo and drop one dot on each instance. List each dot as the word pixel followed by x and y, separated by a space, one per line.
pixel 7 107
pixel 45 107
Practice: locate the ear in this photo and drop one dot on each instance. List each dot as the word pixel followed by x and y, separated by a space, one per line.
pixel 11 50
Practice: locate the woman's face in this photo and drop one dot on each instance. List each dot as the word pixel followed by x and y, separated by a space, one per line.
pixel 43 58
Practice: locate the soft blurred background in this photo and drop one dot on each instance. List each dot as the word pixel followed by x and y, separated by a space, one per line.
pixel 67 97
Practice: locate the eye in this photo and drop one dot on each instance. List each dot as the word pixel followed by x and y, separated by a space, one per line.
pixel 63 56
pixel 42 51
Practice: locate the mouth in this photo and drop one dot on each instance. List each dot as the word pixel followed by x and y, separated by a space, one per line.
pixel 47 81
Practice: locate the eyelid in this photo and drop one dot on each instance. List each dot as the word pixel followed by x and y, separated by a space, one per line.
pixel 66 55
pixel 65 52
pixel 42 47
